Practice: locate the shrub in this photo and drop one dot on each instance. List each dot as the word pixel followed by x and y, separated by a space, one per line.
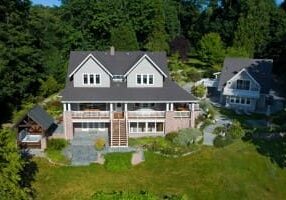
pixel 99 143
pixel 170 136
pixel 219 130
pixel 187 136
pixel 199 90
pixel 221 141
pixel 208 109
pixel 132 196
pixel 57 144
pixel 117 161
pixel 235 130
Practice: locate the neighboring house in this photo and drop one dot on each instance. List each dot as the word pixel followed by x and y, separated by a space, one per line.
pixel 34 128
pixel 123 94
pixel 244 84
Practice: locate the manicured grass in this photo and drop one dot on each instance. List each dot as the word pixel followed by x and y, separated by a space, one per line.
pixel 56 156
pixel 116 162
pixel 237 171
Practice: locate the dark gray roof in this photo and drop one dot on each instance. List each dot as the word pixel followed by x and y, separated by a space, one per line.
pixel 120 62
pixel 119 92
pixel 39 115
pixel 259 69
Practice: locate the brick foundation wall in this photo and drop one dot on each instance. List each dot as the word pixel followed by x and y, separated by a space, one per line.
pixel 174 124
pixel 68 126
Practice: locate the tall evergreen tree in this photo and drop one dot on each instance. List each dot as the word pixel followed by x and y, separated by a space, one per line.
pixel 124 38
pixel 10 168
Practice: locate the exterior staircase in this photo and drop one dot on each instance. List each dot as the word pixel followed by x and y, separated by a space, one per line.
pixel 119 136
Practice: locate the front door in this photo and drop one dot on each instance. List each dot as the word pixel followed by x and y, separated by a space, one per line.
pixel 119 107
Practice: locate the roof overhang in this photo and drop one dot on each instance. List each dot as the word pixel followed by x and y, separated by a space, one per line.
pixel 150 60
pixel 251 77
pixel 90 56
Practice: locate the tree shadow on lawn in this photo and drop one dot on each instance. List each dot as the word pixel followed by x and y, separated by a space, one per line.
pixel 272 145
pixel 28 174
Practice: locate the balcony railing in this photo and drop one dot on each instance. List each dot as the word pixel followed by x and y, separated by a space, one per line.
pixel 143 114
pixel 90 114
pixel 182 114
pixel 241 93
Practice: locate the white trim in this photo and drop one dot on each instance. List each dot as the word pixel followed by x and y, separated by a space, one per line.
pixel 90 120
pixel 148 79
pixel 243 70
pixel 85 60
pixel 88 79
pixel 151 101
pixel 150 60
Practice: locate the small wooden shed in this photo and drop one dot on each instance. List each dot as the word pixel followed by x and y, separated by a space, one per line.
pixel 34 128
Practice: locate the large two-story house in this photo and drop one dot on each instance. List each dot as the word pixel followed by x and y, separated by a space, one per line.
pixel 244 84
pixel 125 94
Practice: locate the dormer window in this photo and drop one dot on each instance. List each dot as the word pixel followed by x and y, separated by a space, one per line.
pixel 85 79
pixel 118 78
pixel 145 79
pixel 243 84
pixel 91 79
pixel 97 79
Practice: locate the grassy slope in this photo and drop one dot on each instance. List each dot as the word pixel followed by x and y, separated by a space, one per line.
pixel 236 172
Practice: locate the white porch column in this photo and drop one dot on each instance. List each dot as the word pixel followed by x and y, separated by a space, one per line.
pixel 111 107
pixel 69 107
pixel 172 107
pixel 167 107
pixel 125 107
pixel 65 107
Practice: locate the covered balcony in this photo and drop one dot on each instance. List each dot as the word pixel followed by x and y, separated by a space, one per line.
pixel 128 110
pixel 90 110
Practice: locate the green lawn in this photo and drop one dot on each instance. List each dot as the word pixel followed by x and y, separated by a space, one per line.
pixel 234 172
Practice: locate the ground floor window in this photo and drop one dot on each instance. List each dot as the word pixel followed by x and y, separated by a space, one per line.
pixel 91 126
pixel 240 100
pixel 146 127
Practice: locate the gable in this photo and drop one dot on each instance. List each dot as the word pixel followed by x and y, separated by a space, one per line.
pixel 242 75
pixel 91 66
pixel 144 58
pixel 144 67
pixel 87 59
pixel 259 69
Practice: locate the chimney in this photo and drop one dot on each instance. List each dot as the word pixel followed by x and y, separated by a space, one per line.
pixel 112 51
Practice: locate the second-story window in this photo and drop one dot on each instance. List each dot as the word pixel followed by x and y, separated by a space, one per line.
pixel 145 79
pixel 91 79
pixel 97 79
pixel 85 79
pixel 243 84
pixel 151 79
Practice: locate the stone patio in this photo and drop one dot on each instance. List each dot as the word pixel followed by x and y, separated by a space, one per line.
pixel 82 150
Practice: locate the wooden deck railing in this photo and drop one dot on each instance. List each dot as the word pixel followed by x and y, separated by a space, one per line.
pixel 145 114
pixel 182 114
pixel 90 114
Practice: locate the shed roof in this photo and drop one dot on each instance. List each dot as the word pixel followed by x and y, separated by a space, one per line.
pixel 40 116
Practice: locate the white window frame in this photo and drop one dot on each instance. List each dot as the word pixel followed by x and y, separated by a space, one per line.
pixel 88 79
pixel 246 100
pixel 99 78
pixel 148 79
pixel 83 79
pixel 243 84
pixel 146 127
